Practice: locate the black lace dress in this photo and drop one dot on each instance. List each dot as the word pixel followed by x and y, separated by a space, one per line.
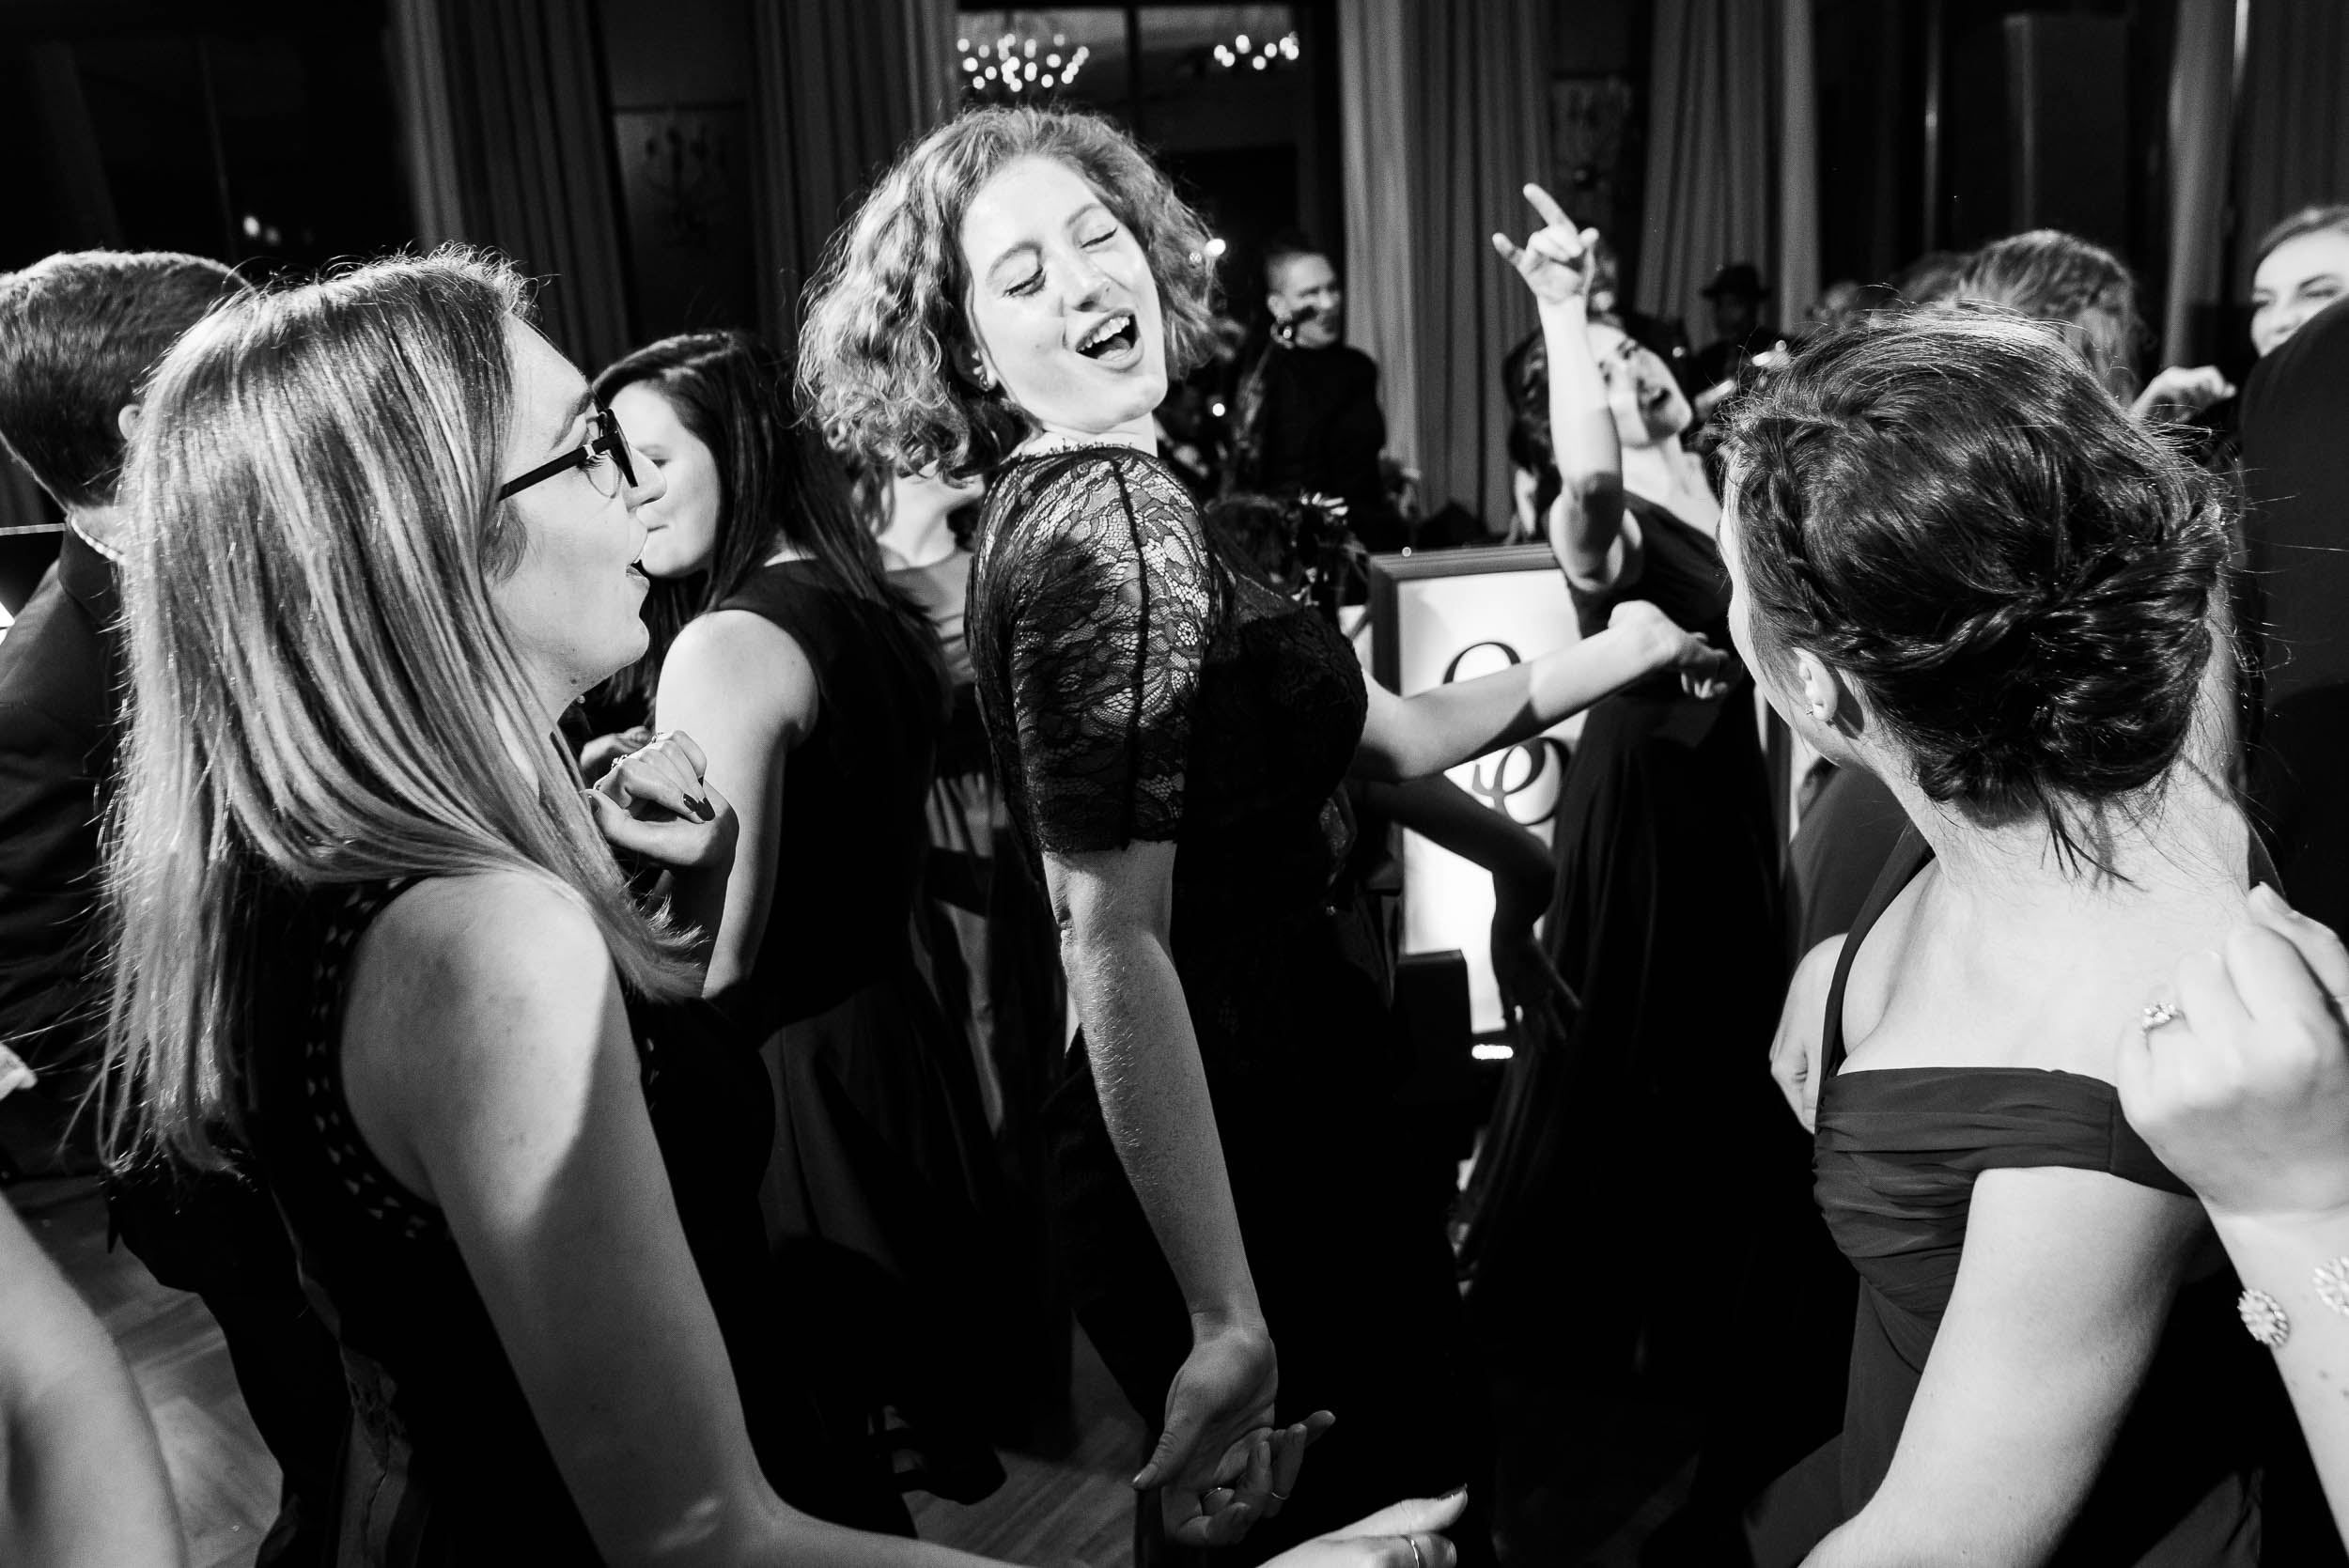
pixel 1139 685
pixel 446 1464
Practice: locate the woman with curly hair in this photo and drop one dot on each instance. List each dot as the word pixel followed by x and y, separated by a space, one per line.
pixel 1172 731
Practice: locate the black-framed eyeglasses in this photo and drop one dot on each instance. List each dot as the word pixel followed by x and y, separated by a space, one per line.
pixel 605 440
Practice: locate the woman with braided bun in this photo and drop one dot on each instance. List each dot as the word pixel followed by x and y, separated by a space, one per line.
pixel 1961 566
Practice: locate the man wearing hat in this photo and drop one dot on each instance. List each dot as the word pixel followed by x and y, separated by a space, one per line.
pixel 1739 331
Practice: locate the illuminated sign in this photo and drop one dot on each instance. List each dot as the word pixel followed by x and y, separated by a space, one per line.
pixel 1450 615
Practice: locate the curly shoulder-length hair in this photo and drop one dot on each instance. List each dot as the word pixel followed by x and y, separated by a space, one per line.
pixel 886 312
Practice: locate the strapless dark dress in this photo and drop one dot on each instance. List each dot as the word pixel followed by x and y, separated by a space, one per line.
pixel 1898 1151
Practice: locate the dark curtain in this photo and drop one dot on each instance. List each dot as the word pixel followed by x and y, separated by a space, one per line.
pixel 840 85
pixel 1710 152
pixel 2293 145
pixel 509 147
pixel 1457 92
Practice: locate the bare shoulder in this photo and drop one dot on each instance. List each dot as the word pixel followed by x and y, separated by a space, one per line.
pixel 459 962
pixel 741 661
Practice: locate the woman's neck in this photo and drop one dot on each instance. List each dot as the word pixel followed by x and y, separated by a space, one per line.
pixel 2180 858
pixel 1140 434
pixel 1657 472
pixel 917 536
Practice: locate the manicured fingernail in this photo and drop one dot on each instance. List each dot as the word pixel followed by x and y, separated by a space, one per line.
pixel 703 809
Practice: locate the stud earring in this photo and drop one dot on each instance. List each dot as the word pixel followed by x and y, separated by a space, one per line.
pixel 1819 711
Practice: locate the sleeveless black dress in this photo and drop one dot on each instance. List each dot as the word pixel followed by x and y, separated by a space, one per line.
pixel 1142 685
pixel 447 1464
pixel 1898 1152
pixel 883 1181
pixel 1665 924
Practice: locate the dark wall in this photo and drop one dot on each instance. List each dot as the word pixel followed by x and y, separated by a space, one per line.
pixel 678 82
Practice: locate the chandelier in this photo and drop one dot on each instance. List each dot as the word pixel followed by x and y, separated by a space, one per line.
pixel 1010 65
pixel 1257 53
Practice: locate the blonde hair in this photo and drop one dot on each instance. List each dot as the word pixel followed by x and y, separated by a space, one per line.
pixel 2081 290
pixel 885 312
pixel 322 691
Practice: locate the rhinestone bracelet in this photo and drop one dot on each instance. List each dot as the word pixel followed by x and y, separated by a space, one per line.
pixel 2263 1316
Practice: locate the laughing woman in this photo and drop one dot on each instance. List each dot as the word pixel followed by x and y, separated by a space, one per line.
pixel 1172 731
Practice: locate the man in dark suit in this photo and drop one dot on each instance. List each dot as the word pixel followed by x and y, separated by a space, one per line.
pixel 78 336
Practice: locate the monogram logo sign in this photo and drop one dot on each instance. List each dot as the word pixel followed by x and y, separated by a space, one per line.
pixel 1441 618
pixel 1525 783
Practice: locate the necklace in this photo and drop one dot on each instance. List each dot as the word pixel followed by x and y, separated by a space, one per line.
pixel 1044 446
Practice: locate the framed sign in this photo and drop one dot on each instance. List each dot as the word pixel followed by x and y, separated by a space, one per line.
pixel 1451 615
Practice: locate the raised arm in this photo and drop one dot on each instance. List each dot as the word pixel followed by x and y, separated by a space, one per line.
pixel 1586 526
pixel 488 1064
pixel 2065 1282
pixel 1409 737
pixel 82 1479
pixel 743 687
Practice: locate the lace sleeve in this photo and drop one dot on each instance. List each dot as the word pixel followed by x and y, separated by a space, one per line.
pixel 1105 655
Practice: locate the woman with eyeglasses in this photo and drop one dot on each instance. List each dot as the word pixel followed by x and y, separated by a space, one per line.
pixel 818 694
pixel 383 537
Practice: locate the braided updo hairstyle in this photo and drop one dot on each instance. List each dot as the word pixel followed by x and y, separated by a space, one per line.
pixel 1949 509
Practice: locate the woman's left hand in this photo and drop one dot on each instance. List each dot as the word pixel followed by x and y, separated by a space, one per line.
pixel 2183 389
pixel 2243 1089
pixel 655 802
pixel 1555 259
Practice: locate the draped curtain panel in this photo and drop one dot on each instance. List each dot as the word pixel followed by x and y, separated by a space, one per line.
pixel 2201 101
pixel 839 87
pixel 1798 94
pixel 1443 109
pixel 2293 145
pixel 1381 283
pixel 509 148
pixel 1712 127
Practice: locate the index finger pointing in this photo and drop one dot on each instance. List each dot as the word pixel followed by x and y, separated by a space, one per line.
pixel 1547 204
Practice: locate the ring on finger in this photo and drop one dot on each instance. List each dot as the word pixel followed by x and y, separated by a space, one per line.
pixel 1412 1541
pixel 2156 1015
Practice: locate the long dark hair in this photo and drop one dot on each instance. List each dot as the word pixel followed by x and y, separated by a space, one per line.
pixel 778 485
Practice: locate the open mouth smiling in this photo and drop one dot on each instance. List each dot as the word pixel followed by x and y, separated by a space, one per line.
pixel 1112 334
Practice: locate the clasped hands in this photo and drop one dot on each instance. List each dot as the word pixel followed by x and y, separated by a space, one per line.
pixel 1220 1463
pixel 1222 1466
pixel 651 798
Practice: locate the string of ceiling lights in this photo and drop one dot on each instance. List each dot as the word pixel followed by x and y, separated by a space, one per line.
pixel 1009 64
